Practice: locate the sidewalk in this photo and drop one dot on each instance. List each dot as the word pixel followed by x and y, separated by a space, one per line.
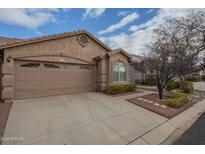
pixel 143 93
pixel 169 131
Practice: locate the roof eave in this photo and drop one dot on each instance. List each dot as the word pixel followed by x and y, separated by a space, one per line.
pixel 56 37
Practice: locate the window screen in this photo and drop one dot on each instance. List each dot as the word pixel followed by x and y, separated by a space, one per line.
pixel 115 72
pixel 122 72
pixel 118 72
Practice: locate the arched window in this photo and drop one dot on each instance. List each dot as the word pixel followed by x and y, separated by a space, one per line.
pixel 51 66
pixel 118 71
pixel 30 65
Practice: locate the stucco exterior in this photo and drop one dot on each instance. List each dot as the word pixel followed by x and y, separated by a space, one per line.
pixel 62 50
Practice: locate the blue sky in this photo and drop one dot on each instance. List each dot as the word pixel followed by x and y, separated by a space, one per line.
pixel 130 29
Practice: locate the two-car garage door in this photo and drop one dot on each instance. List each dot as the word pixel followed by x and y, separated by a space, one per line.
pixel 36 79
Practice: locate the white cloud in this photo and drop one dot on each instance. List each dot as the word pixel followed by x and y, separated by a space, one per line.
pixel 39 33
pixel 150 11
pixel 132 43
pixel 123 13
pixel 124 21
pixel 30 18
pixel 93 13
pixel 140 36
pixel 161 16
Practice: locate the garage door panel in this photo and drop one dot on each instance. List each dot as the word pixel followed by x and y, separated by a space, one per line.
pixel 63 87
pixel 50 92
pixel 61 75
pixel 29 76
pixel 26 85
pixel 45 81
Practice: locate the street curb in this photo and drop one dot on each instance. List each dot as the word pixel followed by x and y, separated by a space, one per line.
pixel 173 137
pixel 171 130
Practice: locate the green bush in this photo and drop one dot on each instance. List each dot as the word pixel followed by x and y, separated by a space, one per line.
pixel 175 103
pixel 186 86
pixel 178 100
pixel 172 85
pixel 203 77
pixel 120 88
pixel 180 95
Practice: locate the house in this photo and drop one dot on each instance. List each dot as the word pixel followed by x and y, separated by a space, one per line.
pixel 136 76
pixel 71 62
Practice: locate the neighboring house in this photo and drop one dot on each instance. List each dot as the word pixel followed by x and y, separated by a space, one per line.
pixel 71 62
pixel 136 76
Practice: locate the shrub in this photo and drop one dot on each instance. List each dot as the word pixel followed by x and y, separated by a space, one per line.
pixel 178 100
pixel 203 77
pixel 180 95
pixel 194 78
pixel 172 85
pixel 175 103
pixel 151 80
pixel 186 86
pixel 120 88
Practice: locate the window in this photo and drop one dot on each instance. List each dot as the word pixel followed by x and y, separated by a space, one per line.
pixel 30 65
pixel 83 40
pixel 51 66
pixel 118 72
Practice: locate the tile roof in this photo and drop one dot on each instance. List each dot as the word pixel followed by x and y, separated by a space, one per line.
pixel 51 37
pixel 6 40
pixel 120 50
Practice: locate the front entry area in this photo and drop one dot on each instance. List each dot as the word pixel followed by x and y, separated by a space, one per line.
pixel 37 79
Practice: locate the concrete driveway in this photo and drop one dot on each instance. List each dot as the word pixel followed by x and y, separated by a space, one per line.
pixel 89 118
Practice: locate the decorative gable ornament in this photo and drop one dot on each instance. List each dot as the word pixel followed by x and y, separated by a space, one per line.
pixel 83 40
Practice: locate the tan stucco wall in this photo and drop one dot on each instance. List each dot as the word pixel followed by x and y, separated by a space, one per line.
pixel 7 81
pixel 1 62
pixel 64 46
pixel 104 73
pixel 59 50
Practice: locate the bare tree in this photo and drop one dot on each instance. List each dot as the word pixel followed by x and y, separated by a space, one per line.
pixel 177 49
pixel 186 36
pixel 161 63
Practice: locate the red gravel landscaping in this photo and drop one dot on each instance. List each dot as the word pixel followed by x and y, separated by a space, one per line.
pixel 165 111
pixel 4 112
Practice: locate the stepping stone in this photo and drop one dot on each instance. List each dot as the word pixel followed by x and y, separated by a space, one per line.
pixel 150 102
pixel 156 104
pixel 163 106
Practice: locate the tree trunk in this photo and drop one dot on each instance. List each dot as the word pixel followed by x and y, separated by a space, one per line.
pixel 160 89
